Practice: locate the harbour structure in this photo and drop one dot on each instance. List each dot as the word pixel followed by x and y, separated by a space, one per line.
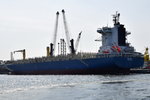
pixel 115 55
pixel 146 59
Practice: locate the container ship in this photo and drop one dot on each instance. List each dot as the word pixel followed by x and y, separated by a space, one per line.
pixel 115 55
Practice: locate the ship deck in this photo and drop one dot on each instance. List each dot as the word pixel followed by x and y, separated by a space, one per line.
pixel 79 56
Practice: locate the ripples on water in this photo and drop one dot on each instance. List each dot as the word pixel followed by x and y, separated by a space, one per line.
pixel 75 87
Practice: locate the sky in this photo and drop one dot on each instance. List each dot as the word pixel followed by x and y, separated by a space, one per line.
pixel 29 24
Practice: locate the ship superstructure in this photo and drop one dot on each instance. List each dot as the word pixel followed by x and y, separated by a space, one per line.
pixel 115 55
pixel 114 39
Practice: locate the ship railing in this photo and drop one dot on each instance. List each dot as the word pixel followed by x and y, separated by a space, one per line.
pixel 53 58
pixel 120 55
pixel 80 55
pixel 85 55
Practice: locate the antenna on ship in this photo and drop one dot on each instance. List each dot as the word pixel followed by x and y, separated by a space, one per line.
pixel 116 18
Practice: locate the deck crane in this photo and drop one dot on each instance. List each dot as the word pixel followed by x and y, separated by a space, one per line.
pixel 70 42
pixel 23 53
pixel 53 45
pixel 77 41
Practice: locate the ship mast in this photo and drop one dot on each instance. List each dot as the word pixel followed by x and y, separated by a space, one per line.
pixel 116 18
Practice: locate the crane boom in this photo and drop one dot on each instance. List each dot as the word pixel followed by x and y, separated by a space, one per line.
pixel 55 31
pixel 23 53
pixel 53 45
pixel 66 29
pixel 77 41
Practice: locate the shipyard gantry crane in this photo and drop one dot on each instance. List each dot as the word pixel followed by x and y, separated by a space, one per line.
pixel 23 53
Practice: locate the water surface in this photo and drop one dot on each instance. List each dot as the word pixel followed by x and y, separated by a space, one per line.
pixel 75 87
